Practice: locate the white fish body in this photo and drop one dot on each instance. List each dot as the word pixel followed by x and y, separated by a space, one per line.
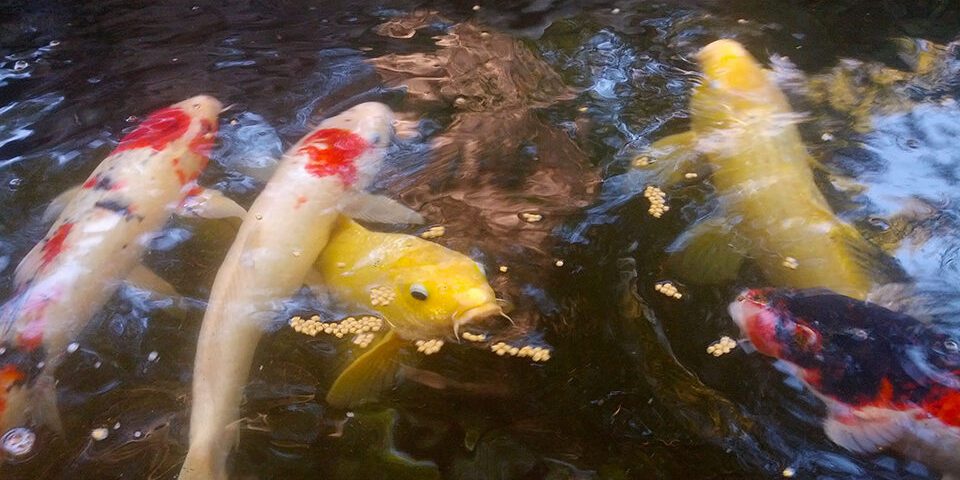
pixel 94 243
pixel 280 238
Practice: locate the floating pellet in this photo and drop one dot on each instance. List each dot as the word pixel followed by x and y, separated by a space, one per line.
pixel 434 232
pixel 657 200
pixel 474 337
pixel 503 269
pixel 722 346
pixel 668 289
pixel 99 433
pixel 531 217
pixel 429 347
pixel 791 263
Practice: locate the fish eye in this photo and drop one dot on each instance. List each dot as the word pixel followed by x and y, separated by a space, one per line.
pixel 951 345
pixel 418 291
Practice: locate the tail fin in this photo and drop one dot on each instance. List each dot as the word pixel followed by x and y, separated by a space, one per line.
pixel 27 395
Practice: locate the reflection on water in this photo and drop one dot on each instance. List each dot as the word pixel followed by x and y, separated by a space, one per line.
pixel 531 107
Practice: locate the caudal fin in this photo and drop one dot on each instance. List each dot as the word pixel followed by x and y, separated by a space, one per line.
pixel 23 404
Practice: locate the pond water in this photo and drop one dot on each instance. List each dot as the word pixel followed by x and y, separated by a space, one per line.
pixel 506 108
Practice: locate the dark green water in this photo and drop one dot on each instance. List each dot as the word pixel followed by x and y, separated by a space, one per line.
pixel 547 120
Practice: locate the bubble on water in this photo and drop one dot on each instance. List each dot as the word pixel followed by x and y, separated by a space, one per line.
pixel 153 356
pixel 73 347
pixel 18 442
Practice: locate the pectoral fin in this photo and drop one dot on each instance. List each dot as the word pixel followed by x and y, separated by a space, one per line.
pixel 370 374
pixel 863 432
pixel 210 203
pixel 58 204
pixel 378 209
pixel 670 159
pixel 706 253
pixel 145 279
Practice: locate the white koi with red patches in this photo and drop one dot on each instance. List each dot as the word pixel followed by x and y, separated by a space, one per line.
pixel 283 233
pixel 93 244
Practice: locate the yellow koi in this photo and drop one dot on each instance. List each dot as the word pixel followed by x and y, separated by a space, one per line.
pixel 424 291
pixel 770 209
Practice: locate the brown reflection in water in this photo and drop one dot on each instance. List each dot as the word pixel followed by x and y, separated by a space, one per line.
pixel 498 157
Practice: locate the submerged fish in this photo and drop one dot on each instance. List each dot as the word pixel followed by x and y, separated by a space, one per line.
pixel 281 236
pixel 100 231
pixel 888 380
pixel 423 290
pixel 770 209
pixel 859 91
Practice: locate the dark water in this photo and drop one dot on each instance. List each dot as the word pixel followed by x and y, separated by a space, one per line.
pixel 630 391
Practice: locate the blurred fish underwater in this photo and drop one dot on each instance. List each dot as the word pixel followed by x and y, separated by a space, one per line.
pixel 519 123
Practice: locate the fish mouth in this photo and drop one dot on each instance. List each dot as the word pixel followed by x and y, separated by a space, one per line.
pixel 475 313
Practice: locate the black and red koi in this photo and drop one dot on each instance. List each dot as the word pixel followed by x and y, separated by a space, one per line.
pixel 889 381
pixel 94 243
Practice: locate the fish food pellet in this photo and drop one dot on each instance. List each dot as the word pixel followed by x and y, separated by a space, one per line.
pixel 382 296
pixel 503 269
pixel 791 263
pixel 789 472
pixel 690 175
pixel 531 217
pixel 434 232
pixel 722 346
pixel 363 340
pixel 657 200
pixel 537 354
pixel 474 337
pixel 668 289
pixel 559 263
pixel 99 433
pixel 641 161
pixel 347 326
pixel 429 347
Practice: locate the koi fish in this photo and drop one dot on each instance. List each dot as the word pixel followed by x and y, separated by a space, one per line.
pixel 423 290
pixel 888 381
pixel 94 243
pixel 281 236
pixel 770 209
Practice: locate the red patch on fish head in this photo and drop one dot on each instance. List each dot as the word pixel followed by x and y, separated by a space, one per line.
pixel 55 244
pixel 332 151
pixel 157 131
pixel 757 321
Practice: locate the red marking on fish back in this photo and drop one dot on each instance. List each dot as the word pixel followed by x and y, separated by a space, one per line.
pixel 55 244
pixel 202 144
pixel 90 183
pixel 301 199
pixel 157 131
pixel 332 151
pixel 9 376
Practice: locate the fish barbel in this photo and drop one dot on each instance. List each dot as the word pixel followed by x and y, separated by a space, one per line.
pixel 888 380
pixel 770 209
pixel 423 290
pixel 100 231
pixel 281 236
